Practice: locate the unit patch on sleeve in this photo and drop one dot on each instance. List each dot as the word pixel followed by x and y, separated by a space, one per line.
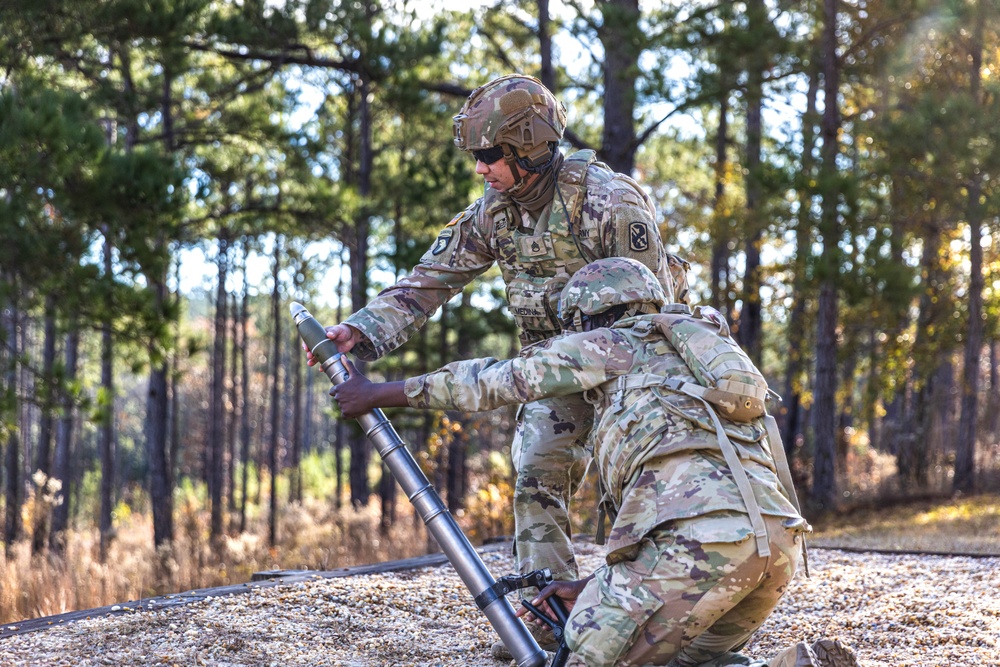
pixel 443 240
pixel 638 236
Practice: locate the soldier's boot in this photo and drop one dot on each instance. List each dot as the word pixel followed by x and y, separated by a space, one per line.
pixel 800 655
pixel 832 653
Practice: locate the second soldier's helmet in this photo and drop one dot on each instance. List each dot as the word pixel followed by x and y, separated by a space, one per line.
pixel 515 110
pixel 618 284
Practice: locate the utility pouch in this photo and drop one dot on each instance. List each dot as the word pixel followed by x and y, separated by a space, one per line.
pixel 728 378
pixel 534 303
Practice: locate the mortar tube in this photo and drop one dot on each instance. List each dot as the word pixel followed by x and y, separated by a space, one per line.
pixel 425 499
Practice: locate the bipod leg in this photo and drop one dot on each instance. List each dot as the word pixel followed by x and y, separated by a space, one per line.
pixel 557 625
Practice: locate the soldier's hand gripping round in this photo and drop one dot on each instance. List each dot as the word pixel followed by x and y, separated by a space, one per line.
pixel 358 395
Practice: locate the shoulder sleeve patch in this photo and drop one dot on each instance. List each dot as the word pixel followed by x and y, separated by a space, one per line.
pixel 443 249
pixel 635 237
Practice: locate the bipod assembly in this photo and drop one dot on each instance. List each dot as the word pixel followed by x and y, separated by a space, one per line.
pixel 538 579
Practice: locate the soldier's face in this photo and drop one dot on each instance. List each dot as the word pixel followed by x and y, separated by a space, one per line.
pixel 498 175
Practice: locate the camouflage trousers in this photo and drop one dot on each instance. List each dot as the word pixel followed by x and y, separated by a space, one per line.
pixel 691 596
pixel 550 458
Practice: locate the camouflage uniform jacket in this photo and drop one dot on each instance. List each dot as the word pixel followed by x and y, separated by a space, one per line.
pixel 595 213
pixel 656 449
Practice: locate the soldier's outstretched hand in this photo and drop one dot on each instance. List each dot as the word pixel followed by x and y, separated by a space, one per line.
pixel 343 335
pixel 358 395
pixel 353 394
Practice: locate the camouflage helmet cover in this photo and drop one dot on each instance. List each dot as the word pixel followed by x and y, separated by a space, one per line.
pixel 515 109
pixel 605 283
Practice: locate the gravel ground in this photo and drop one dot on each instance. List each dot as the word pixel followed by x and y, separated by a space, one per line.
pixel 892 609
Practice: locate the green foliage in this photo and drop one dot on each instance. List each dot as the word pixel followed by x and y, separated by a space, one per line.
pixel 318 470
pixel 164 126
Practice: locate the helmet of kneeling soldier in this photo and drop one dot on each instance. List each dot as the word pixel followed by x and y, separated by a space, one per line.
pixel 606 290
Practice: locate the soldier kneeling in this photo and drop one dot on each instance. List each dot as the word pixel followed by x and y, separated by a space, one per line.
pixel 705 536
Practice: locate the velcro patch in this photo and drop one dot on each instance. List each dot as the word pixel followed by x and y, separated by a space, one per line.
pixel 634 231
pixel 535 247
pixel 443 239
pixel 638 236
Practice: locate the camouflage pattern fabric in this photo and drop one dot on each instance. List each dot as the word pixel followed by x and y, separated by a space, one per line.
pixel 540 254
pixel 607 283
pixel 547 478
pixel 732 381
pixel 596 213
pixel 695 590
pixel 684 583
pixel 632 426
pixel 514 109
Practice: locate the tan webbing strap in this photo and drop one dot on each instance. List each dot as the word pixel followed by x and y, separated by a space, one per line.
pixel 732 457
pixel 784 475
pixel 742 388
pixel 742 482
pixel 781 461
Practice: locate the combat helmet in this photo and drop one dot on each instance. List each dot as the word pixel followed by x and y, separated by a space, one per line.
pixel 618 286
pixel 515 113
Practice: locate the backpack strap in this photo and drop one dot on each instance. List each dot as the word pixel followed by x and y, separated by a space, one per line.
pixel 572 180
pixel 785 476
pixel 732 458
pixel 729 453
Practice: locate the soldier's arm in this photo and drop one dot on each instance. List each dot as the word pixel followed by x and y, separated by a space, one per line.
pixel 458 255
pixel 629 230
pixel 560 366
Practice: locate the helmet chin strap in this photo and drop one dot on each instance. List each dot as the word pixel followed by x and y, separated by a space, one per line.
pixel 510 157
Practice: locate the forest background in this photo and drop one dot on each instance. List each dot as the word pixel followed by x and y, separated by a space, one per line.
pixel 829 168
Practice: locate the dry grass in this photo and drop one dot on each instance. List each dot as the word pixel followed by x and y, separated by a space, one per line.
pixel 314 535
pixel 961 525
pixel 311 536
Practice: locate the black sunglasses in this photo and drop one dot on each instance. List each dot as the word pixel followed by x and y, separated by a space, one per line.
pixel 488 155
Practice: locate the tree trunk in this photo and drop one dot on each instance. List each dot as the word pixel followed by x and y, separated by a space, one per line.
pixel 912 460
pixel 272 454
pixel 824 487
pixel 338 434
pixel 719 287
pixel 43 461
pixel 749 324
pixel 993 401
pixel 12 458
pixel 64 442
pixel 871 394
pixel 106 404
pixel 546 72
pixel 160 491
pixel 295 478
pixel 795 372
pixel 232 410
pixel 965 456
pixel 244 392
pixel 622 40
pixel 217 426
pixel 176 405
pixel 359 281
pixel 845 420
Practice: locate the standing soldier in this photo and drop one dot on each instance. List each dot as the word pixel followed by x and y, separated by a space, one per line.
pixel 543 216
pixel 705 536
